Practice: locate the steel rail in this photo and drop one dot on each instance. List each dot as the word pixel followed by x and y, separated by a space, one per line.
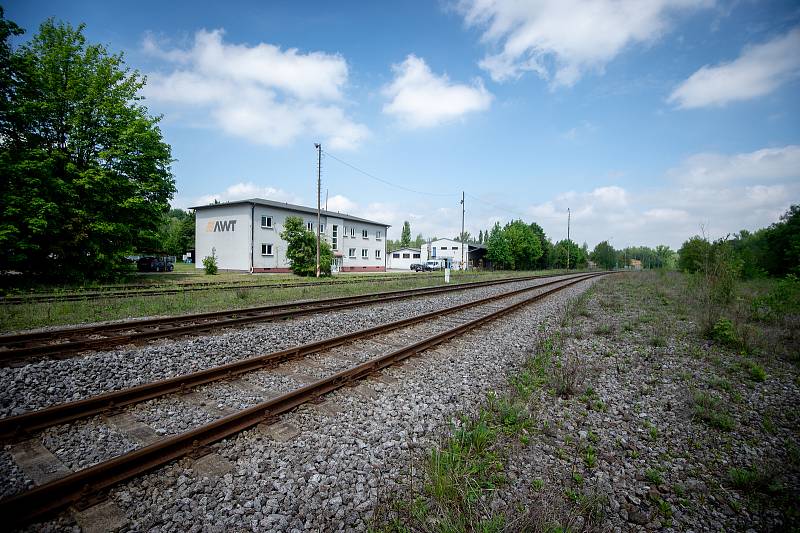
pixel 14 348
pixel 15 428
pixel 46 499
pixel 144 290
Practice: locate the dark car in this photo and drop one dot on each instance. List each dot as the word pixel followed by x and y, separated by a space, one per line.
pixel 416 267
pixel 154 264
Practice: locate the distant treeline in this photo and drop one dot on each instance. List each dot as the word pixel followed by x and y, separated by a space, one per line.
pixel 772 251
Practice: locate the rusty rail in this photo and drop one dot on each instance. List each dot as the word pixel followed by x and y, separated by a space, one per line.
pixel 18 427
pixel 53 496
pixel 161 290
pixel 19 347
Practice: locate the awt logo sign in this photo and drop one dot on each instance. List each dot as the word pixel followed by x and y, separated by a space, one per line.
pixel 214 226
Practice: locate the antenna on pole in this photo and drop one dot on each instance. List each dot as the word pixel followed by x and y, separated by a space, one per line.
pixel 319 187
pixel 326 199
pixel 462 231
pixel 568 241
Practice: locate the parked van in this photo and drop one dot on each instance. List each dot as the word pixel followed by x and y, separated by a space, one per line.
pixel 434 264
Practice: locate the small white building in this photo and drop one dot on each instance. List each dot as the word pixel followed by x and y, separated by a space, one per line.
pixel 447 250
pixel 403 258
pixel 245 235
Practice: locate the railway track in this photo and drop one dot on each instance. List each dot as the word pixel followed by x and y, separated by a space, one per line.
pixel 155 290
pixel 66 342
pixel 83 485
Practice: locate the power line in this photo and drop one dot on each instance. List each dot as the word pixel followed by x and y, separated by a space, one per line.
pixel 387 182
pixel 497 206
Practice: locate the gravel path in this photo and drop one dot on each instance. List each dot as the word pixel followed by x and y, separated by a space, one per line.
pixel 329 475
pixel 48 382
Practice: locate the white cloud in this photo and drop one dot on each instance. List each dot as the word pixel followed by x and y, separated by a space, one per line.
pixel 260 93
pixel 560 40
pixel 341 204
pixel 767 164
pixel 421 99
pixel 722 193
pixel 240 191
pixel 758 71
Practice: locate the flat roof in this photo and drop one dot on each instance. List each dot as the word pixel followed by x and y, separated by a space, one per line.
pixel 290 207
pixel 404 249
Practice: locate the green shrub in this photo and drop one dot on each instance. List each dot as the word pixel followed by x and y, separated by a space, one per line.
pixel 781 301
pixel 756 371
pixel 210 264
pixel 724 332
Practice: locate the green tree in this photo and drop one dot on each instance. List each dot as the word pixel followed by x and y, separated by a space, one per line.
pixel 563 249
pixel 405 235
pixel 604 255
pixel 665 257
pixel 782 254
pixel 524 245
pixel 693 254
pixel 86 173
pixel 480 237
pixel 544 260
pixel 301 249
pixel 498 249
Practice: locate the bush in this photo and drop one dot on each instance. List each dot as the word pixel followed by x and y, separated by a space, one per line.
pixel 724 332
pixel 780 302
pixel 210 264
pixel 301 249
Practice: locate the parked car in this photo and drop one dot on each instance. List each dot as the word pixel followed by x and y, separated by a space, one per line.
pixel 154 264
pixel 416 267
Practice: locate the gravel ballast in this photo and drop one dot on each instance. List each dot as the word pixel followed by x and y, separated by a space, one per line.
pixel 329 476
pixel 45 383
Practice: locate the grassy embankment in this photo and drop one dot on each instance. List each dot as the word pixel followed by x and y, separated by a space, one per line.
pixel 697 424
pixel 33 315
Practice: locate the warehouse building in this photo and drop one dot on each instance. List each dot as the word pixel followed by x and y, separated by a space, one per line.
pixel 245 235
pixel 448 251
pixel 403 258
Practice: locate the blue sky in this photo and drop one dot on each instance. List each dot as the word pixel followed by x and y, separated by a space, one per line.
pixel 648 119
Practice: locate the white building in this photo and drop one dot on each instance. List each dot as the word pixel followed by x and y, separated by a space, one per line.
pixel 403 258
pixel 245 235
pixel 447 250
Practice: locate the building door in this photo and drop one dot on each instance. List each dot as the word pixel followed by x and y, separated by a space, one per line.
pixel 336 265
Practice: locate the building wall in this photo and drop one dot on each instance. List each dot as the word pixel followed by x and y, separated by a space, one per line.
pixel 404 263
pixel 232 243
pixel 446 249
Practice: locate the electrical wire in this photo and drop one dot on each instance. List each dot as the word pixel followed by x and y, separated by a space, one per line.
pixel 386 182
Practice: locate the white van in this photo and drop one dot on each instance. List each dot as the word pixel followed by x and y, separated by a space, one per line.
pixel 434 264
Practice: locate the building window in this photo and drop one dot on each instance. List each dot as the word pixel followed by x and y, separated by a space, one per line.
pixel 396 256
pixel 377 254
pixel 310 226
pixel 352 231
pixel 364 253
pixel 364 234
pixel 335 238
pixel 378 235
pixel 406 256
pixel 322 228
pixel 433 253
pixel 443 248
pixel 352 253
pixel 266 222
pixel 416 256
pixel 266 249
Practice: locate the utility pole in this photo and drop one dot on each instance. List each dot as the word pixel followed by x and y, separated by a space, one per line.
pixel 568 243
pixel 319 187
pixel 462 231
